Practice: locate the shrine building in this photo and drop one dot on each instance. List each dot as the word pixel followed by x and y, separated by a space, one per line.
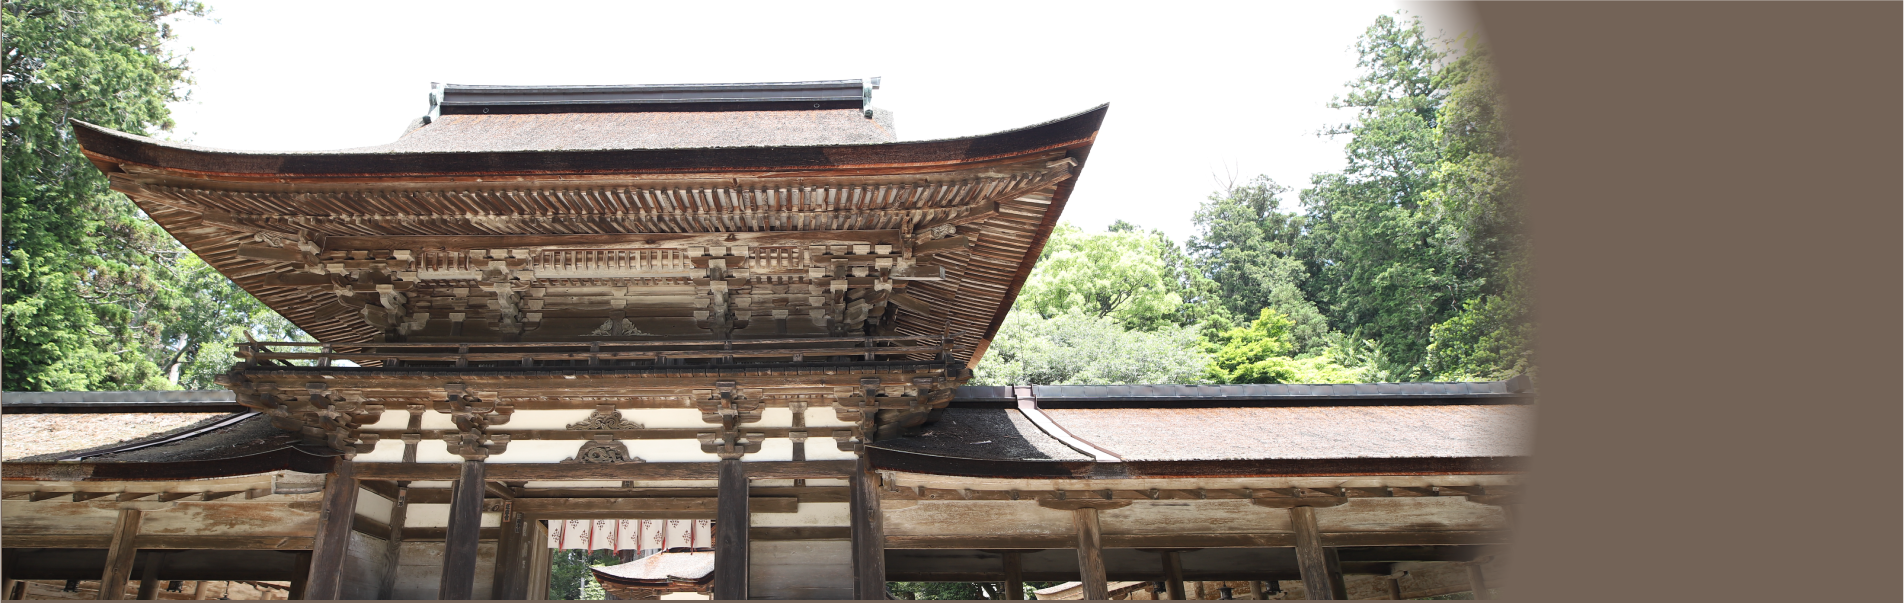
pixel 728 326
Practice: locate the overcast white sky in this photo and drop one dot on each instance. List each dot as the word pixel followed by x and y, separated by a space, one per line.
pixel 1202 89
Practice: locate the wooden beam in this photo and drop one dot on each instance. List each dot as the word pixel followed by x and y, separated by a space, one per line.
pixel 1200 541
pixel 869 549
pixel 158 541
pixel 334 525
pixel 149 579
pixel 953 243
pixel 459 547
pixel 1394 584
pixel 1091 554
pixel 1173 574
pixel 607 471
pixel 393 546
pixel 301 586
pixel 1014 575
pixel 1322 578
pixel 616 240
pixel 119 555
pixel 598 508
pixel 730 540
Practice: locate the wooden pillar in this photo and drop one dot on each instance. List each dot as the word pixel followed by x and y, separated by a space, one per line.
pixel 1258 590
pixel 120 555
pixel 511 559
pixel 149 579
pixel 1478 581
pixel 869 535
pixel 1173 574
pixel 301 586
pixel 730 539
pixel 1321 572
pixel 459 545
pixel 393 548
pixel 198 591
pixel 334 521
pixel 1091 555
pixel 1014 576
pixel 1394 588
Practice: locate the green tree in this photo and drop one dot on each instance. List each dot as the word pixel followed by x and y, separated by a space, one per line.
pixel 569 577
pixel 95 295
pixel 1120 274
pixel 940 591
pixel 1245 244
pixel 1076 349
pixel 1421 220
pixel 1263 352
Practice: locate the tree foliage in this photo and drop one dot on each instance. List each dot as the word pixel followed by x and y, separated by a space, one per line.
pixel 1074 349
pixel 569 577
pixel 96 296
pixel 1264 352
pixel 1120 274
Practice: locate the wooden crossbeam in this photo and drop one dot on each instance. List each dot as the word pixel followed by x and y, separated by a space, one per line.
pixel 606 471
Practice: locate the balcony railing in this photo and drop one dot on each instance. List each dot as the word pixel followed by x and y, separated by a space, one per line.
pixel 602 354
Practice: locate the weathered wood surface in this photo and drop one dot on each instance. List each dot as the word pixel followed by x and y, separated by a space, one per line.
pixel 223 518
pixel 867 528
pixel 119 555
pixel 608 508
pixel 1320 573
pixel 332 539
pixel 617 471
pixel 300 586
pixel 804 494
pixel 393 539
pixel 1091 554
pixel 800 569
pixel 459 548
pixel 161 542
pixel 1014 575
pixel 730 545
pixel 1173 574
pixel 149 578
pixel 511 556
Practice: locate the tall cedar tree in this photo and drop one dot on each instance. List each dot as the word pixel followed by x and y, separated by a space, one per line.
pixel 96 296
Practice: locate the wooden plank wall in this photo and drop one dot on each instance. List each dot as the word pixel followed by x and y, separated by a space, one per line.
pixel 801 569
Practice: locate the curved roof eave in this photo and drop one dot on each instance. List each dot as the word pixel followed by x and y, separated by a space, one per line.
pixel 111 146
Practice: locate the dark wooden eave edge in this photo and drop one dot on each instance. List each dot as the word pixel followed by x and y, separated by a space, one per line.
pixel 287 458
pixel 915 462
pixel 108 147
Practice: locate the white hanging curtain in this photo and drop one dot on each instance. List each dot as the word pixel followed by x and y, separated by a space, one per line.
pixel 631 534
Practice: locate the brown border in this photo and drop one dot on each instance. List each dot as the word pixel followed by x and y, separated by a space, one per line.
pixel 1714 193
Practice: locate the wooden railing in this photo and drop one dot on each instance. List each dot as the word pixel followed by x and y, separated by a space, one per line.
pixel 596 353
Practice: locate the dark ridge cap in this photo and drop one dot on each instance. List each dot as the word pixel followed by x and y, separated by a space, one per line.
pixel 539 371
pixel 915 462
pixel 1062 132
pixel 1511 391
pixel 465 98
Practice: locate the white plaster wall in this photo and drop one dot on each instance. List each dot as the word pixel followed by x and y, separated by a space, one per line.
pixel 438 516
pixel 374 505
pixel 387 451
pixel 809 515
